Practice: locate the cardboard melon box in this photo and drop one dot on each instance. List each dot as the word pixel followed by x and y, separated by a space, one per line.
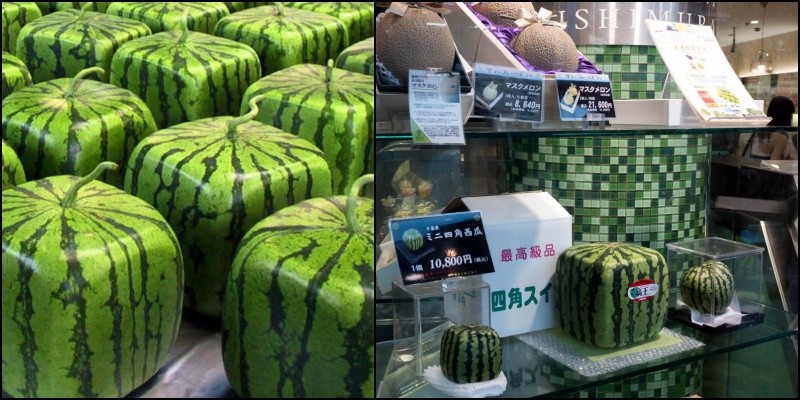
pixel 526 233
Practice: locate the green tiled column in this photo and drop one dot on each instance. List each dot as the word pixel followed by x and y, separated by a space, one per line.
pixel 648 189
pixel 636 72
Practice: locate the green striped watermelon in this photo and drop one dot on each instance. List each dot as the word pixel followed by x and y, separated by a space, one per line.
pixel 299 302
pixel 15 17
pixel 68 126
pixel 185 76
pixel 358 16
pixel 15 74
pixel 92 289
pixel 65 42
pixel 329 107
pixel 412 238
pixel 215 178
pixel 283 37
pixel 611 294
pixel 359 57
pixel 166 16
pixel 53 6
pixel 470 353
pixel 237 6
pixel 13 173
pixel 708 287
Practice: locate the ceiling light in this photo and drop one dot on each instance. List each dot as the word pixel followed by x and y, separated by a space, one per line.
pixel 762 62
pixel 755 21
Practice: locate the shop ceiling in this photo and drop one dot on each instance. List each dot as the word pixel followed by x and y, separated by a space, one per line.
pixel 781 18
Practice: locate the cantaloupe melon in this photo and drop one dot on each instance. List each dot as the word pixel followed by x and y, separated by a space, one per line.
pixel 503 13
pixel 419 39
pixel 547 47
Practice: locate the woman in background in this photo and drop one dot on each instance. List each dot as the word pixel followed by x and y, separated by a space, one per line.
pixel 769 145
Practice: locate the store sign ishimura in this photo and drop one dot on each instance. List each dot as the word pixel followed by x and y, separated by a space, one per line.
pixel 623 23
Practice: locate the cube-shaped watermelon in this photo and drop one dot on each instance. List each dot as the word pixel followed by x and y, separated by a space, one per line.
pixel 15 17
pixel 330 107
pixel 236 6
pixel 359 16
pixel 15 74
pixel 284 36
pixel 68 126
pixel 63 43
pixel 611 294
pixel 359 57
pixel 53 6
pixel 166 16
pixel 184 76
pixel 213 180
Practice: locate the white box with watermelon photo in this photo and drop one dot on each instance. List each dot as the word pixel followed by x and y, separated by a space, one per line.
pixel 715 283
pixel 526 233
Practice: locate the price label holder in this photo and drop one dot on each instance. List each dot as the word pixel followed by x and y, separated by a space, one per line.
pixel 509 94
pixel 434 104
pixel 436 247
pixel 580 95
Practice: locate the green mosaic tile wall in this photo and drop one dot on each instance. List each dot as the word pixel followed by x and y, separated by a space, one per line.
pixel 681 381
pixel 636 72
pixel 649 190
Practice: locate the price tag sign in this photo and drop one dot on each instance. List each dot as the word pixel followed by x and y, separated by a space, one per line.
pixel 435 247
pixel 582 94
pixel 434 102
pixel 508 93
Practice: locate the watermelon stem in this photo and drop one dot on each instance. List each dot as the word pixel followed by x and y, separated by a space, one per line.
pixel 329 71
pixel 234 123
pixel 85 7
pixel 69 197
pixel 350 208
pixel 184 27
pixel 79 76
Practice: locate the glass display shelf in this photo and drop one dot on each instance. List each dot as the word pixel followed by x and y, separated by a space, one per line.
pixel 488 129
pixel 776 325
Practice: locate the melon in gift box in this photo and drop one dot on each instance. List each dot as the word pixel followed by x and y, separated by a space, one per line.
pixel 165 16
pixel 359 16
pixel 359 57
pixel 284 36
pixel 15 74
pixel 213 179
pixel 65 42
pixel 330 107
pixel 185 76
pixel 611 294
pixel 92 288
pixel 15 17
pixel 69 125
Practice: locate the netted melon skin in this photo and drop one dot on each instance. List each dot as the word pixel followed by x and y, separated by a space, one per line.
pixel 419 39
pixel 503 13
pixel 547 47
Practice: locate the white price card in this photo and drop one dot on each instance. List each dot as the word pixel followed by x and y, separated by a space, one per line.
pixel 434 102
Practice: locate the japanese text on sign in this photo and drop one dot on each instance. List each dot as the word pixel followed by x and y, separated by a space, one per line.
pixel 513 298
pixel 523 253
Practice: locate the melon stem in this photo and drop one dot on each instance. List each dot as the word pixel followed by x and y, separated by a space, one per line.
pixel 184 27
pixel 350 207
pixel 85 7
pixel 73 86
pixel 69 197
pixel 329 71
pixel 279 9
pixel 234 123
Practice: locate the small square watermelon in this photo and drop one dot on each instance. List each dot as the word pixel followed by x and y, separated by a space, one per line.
pixel 166 16
pixel 284 36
